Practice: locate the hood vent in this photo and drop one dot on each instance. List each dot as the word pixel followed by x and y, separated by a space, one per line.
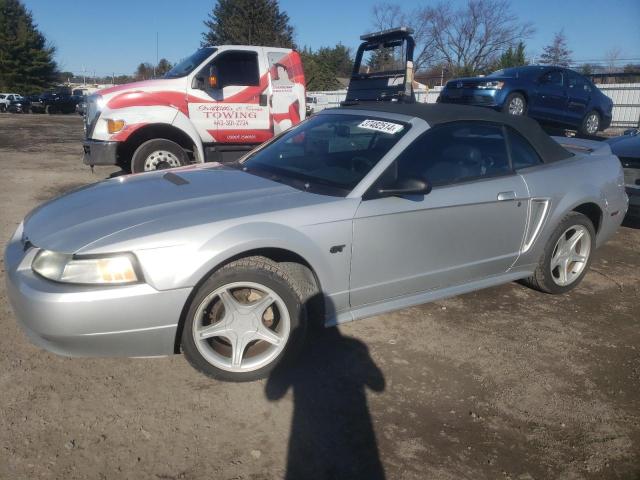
pixel 175 179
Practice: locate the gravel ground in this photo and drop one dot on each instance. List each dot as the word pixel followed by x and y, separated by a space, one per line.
pixel 504 383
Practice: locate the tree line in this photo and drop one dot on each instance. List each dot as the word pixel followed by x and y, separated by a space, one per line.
pixel 477 37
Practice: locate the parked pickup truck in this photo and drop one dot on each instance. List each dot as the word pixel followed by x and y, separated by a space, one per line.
pixel 60 100
pixel 214 106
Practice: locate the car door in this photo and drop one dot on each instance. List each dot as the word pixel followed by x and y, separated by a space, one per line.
pixel 234 109
pixel 549 101
pixel 579 96
pixel 470 226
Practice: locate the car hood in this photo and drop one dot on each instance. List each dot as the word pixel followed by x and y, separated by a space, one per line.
pixel 159 84
pixel 625 146
pixel 471 81
pixel 169 199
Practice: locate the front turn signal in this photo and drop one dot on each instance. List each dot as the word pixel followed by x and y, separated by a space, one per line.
pixel 114 126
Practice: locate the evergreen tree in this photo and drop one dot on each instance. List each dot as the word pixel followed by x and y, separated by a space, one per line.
pixel 557 53
pixel 163 67
pixel 248 22
pixel 318 74
pixel 144 71
pixel 323 67
pixel 513 57
pixel 26 60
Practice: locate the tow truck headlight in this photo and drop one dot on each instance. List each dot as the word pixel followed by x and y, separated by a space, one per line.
pixel 116 269
pixel 491 85
pixel 114 126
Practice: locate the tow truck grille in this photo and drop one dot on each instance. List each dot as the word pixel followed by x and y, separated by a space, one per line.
pixel 91 117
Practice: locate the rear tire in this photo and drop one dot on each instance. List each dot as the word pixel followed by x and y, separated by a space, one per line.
pixel 158 154
pixel 590 124
pixel 216 355
pixel 561 267
pixel 515 104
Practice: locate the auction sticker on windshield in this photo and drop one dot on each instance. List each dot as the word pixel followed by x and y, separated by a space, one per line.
pixel 380 126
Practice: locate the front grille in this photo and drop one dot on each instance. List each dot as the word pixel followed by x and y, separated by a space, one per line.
pixel 91 115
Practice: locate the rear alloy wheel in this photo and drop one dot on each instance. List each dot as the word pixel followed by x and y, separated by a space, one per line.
pixel 244 320
pixel 515 105
pixel 590 124
pixel 567 256
pixel 158 154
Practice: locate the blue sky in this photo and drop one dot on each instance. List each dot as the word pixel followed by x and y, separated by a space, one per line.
pixel 115 36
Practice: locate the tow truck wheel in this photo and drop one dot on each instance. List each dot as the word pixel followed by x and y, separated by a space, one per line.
pixel 158 154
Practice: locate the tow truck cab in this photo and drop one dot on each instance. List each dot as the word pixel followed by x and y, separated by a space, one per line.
pixel 213 106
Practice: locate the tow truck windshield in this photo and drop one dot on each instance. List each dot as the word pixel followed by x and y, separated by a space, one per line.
pixel 188 65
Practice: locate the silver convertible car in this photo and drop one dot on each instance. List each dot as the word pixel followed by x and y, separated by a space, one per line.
pixel 356 212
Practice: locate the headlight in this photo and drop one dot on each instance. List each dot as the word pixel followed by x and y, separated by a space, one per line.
pixel 115 269
pixel 491 85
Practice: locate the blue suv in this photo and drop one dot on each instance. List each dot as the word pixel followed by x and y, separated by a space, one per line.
pixel 549 94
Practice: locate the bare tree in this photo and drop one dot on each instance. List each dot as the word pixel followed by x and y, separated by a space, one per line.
pixel 557 53
pixel 468 39
pixel 388 15
pixel 611 58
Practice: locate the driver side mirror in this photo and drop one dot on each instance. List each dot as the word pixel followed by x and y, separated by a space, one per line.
pixel 406 186
pixel 208 82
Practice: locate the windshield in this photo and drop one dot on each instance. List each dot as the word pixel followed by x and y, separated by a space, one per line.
pixel 188 65
pixel 505 72
pixel 328 154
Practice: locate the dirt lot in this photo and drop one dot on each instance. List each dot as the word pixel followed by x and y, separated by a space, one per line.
pixel 505 383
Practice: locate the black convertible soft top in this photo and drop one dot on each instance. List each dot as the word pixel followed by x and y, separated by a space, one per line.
pixel 435 114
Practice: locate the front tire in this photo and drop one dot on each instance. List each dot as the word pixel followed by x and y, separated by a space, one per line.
pixel 245 319
pixel 515 104
pixel 567 256
pixel 590 124
pixel 158 154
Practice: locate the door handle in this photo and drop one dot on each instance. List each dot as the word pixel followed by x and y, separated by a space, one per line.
pixel 505 196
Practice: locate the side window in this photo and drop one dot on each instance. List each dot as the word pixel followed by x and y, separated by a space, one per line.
pixel 238 68
pixel 523 154
pixel 577 82
pixel 280 69
pixel 456 152
pixel 553 77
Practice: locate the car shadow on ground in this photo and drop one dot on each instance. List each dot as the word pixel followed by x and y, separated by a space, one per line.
pixel 631 222
pixel 332 435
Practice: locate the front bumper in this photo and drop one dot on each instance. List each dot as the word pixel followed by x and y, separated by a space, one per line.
pixel 97 152
pixel 472 96
pixel 74 320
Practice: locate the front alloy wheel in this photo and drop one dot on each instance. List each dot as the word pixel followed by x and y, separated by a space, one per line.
pixel 245 319
pixel 515 105
pixel 241 326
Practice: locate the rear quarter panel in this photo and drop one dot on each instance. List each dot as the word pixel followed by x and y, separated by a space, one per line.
pixel 585 178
